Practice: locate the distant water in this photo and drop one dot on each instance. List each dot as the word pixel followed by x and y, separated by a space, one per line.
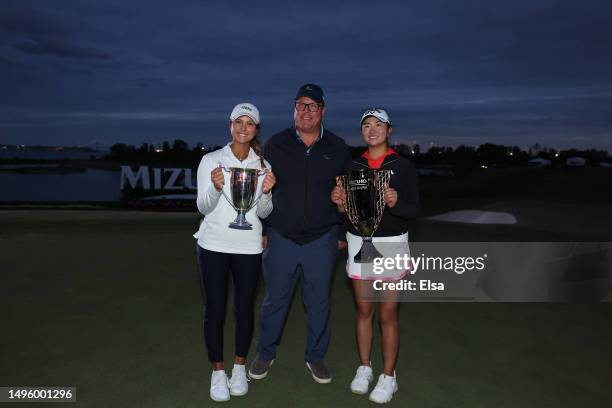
pixel 49 154
pixel 91 185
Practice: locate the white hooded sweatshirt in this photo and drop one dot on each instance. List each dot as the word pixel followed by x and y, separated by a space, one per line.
pixel 214 233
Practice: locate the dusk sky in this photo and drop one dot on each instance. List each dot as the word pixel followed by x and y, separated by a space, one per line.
pixel 449 72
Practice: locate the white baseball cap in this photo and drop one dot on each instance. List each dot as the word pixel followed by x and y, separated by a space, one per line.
pixel 379 113
pixel 245 109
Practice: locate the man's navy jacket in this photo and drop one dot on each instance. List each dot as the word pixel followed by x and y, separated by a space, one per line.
pixel 305 177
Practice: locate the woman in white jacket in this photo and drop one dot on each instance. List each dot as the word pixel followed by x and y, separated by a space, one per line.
pixel 223 251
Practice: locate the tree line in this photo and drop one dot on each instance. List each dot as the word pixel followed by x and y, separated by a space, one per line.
pixel 466 157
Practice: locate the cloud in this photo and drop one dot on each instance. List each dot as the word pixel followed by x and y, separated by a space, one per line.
pixel 481 67
pixel 8 64
pixel 31 23
pixel 60 49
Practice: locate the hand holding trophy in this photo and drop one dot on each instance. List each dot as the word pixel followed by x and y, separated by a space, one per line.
pixel 338 195
pixel 268 182
pixel 243 186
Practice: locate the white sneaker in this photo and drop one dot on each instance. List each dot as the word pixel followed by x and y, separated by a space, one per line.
pixel 362 380
pixel 238 384
pixel 384 390
pixel 219 387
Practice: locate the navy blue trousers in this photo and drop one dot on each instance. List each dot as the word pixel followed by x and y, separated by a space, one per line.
pixel 215 268
pixel 283 261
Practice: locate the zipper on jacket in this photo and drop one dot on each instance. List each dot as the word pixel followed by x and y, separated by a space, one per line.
pixel 305 194
pixel 389 162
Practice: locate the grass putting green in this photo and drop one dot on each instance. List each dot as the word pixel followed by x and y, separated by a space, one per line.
pixel 108 301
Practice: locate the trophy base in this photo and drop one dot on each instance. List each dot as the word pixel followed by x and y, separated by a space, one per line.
pixel 237 226
pixel 367 253
pixel 240 223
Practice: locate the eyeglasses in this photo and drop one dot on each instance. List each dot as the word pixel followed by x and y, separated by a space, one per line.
pixel 311 107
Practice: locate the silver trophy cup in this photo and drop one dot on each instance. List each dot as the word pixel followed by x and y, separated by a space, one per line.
pixel 365 205
pixel 243 186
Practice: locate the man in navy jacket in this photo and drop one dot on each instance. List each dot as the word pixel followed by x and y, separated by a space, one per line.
pixel 302 231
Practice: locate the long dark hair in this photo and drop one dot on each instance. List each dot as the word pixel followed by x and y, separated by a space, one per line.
pixel 257 148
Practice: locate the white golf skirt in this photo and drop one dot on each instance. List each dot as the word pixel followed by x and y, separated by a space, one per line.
pixel 389 247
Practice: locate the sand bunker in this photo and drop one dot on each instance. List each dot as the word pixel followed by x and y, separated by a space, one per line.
pixel 476 217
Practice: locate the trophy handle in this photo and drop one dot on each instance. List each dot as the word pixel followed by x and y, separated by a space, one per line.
pixel 256 200
pixel 381 178
pixel 349 205
pixel 225 169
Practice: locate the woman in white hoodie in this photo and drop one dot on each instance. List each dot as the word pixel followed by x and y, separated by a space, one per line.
pixel 223 251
